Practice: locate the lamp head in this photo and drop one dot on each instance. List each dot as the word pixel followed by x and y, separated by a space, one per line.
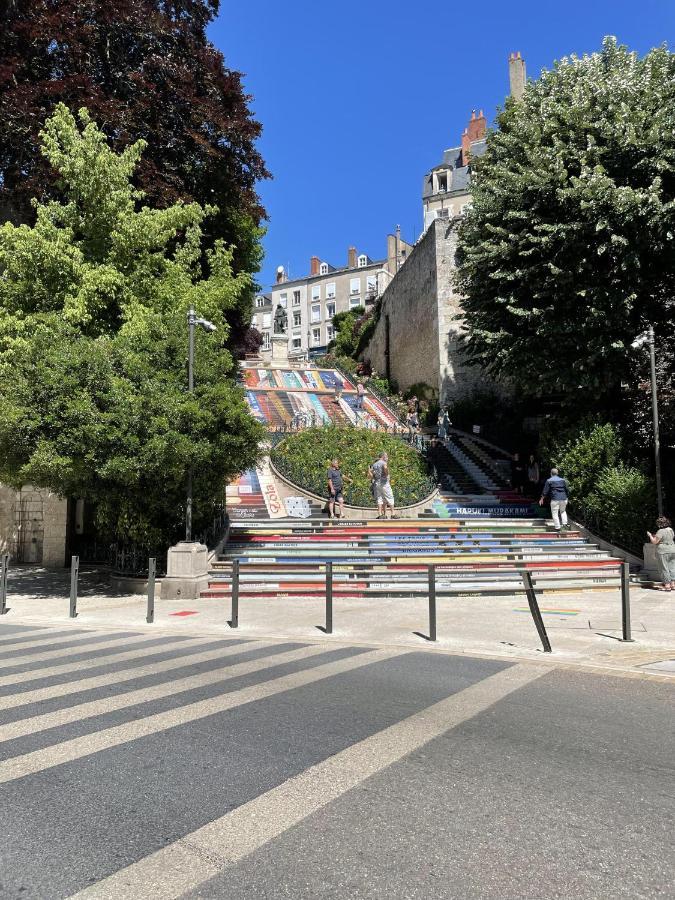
pixel 206 325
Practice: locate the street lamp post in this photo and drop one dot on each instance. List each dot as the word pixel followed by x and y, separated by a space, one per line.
pixel 207 326
pixel 647 337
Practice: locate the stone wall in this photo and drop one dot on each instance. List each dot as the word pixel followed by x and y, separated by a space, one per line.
pixel 418 309
pixel 33 525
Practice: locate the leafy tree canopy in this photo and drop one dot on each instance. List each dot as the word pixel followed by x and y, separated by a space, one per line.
pixel 569 249
pixel 93 304
pixel 145 70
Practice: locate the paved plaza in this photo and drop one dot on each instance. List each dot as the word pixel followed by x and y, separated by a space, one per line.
pixel 148 763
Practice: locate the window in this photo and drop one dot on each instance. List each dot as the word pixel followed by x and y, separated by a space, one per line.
pixel 316 313
pixel 266 340
pixel 254 322
pixel 316 335
pixel 296 344
pixel 443 213
pixel 442 182
pixel 283 299
pixel 267 320
pixel 330 332
pixel 296 298
pixel 355 286
pixel 323 269
pixel 297 318
pixel 330 310
pixel 354 302
pixel 330 290
pixel 316 292
pixel 371 284
pixel 363 260
pixel 260 301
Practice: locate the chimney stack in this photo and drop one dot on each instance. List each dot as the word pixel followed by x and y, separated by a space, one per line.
pixel 466 148
pixel 477 126
pixel 314 264
pixel 351 258
pixel 281 275
pixel 517 75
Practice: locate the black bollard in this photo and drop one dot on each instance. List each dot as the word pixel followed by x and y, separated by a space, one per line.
pixel 4 563
pixel 329 598
pixel 432 603
pixel 234 620
pixel 74 571
pixel 625 604
pixel 152 568
pixel 536 612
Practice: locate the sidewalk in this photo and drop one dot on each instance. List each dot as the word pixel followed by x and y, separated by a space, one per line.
pixel 584 628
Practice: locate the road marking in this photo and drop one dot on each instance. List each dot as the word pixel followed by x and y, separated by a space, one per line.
pixel 84 682
pixel 89 645
pixel 104 705
pixel 41 636
pixel 141 654
pixel 78 748
pixel 190 861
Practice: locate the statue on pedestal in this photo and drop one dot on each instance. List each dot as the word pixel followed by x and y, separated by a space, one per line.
pixel 280 320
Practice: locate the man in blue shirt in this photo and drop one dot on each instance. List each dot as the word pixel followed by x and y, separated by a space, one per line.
pixel 557 491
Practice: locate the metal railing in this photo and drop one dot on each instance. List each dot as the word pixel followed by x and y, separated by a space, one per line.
pixel 433 591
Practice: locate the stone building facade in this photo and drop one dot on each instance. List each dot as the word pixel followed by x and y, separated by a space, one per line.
pixel 416 337
pixel 33 526
pixel 312 302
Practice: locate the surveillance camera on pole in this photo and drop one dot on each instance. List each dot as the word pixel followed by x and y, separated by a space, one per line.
pixel 206 325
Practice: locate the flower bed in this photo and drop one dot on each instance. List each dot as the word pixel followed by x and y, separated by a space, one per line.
pixel 304 458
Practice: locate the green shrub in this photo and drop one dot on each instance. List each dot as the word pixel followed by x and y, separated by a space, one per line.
pixel 304 458
pixel 582 458
pixel 621 506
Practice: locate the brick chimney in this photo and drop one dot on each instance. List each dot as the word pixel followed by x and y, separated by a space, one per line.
pixel 351 258
pixel 466 148
pixel 477 126
pixel 517 75
pixel 314 264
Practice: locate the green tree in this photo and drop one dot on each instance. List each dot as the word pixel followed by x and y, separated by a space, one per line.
pixel 93 303
pixel 568 249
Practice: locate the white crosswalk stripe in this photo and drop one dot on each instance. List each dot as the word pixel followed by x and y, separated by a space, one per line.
pixel 115 655
pixel 85 682
pixel 77 748
pixel 167 689
pixel 93 645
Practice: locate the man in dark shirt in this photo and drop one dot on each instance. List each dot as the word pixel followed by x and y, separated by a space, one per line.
pixel 556 490
pixel 335 488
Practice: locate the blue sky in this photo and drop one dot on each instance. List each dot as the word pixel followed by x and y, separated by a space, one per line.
pixel 359 99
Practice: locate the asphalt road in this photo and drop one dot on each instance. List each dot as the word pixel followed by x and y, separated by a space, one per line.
pixel 155 766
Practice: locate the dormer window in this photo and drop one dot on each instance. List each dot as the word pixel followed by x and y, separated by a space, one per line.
pixel 323 269
pixel 362 261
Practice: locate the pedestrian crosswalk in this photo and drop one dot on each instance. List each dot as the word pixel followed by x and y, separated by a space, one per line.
pixel 120 745
pixel 172 766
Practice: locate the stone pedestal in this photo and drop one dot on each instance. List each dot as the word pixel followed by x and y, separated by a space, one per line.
pixel 187 571
pixel 651 569
pixel 280 349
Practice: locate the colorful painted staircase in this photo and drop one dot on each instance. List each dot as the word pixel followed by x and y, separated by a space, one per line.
pixel 391 558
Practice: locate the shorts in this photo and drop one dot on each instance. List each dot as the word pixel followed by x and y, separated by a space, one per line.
pixel 337 496
pixel 384 494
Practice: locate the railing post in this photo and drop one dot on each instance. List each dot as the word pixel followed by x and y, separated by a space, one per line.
pixel 432 603
pixel 74 571
pixel 625 603
pixel 234 620
pixel 536 612
pixel 152 568
pixel 329 598
pixel 3 583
